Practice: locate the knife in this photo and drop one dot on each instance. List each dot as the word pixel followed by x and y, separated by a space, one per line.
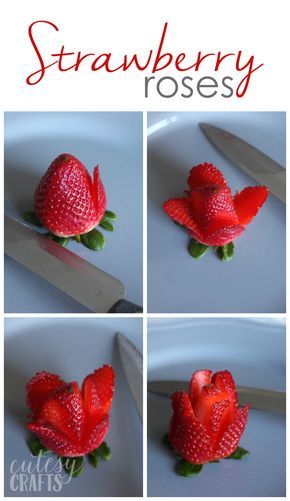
pixel 92 287
pixel 258 398
pixel 252 161
pixel 132 364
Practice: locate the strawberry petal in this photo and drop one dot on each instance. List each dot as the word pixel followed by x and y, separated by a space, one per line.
pixel 248 202
pixel 179 209
pixel 205 175
pixel 97 391
pixel 64 411
pixel 55 440
pixel 39 388
pixel 198 380
pixel 187 435
pixel 230 439
pixel 97 435
pixel 99 195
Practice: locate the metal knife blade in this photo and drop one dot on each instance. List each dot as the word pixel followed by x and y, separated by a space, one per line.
pixel 258 398
pixel 132 364
pixel 252 161
pixel 92 287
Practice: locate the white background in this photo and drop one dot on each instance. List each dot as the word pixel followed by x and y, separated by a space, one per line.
pixel 127 26
pixel 254 26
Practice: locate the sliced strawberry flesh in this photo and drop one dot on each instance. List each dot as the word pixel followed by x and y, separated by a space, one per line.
pixel 248 202
pixel 198 381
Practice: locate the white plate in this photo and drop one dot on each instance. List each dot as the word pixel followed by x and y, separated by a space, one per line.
pixel 73 348
pixel 254 351
pixel 112 140
pixel 254 281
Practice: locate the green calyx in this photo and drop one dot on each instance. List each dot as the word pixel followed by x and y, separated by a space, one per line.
pixel 239 453
pixel 73 466
pixel 186 469
pixel 224 252
pixel 102 452
pixel 36 448
pixel 93 240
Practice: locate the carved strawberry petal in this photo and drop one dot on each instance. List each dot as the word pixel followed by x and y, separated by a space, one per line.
pixel 188 436
pixel 249 201
pixel 40 387
pixel 230 439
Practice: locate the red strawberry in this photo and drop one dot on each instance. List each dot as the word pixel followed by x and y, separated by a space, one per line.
pixel 66 420
pixel 39 388
pixel 206 424
pixel 66 200
pixel 211 214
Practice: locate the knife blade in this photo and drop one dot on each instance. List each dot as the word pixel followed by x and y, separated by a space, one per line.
pixel 132 364
pixel 97 290
pixel 258 398
pixel 252 161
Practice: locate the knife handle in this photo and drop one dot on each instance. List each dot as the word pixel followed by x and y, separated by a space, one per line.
pixel 124 306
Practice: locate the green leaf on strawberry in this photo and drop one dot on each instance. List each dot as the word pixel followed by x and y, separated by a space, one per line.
pixel 197 250
pixel 106 224
pixel 225 252
pixel 93 240
pixel 74 466
pixel 239 453
pixel 63 241
pixel 31 218
pixel 110 215
pixel 186 469
pixel 36 447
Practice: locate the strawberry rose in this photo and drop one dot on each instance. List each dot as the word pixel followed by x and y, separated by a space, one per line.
pixel 209 211
pixel 68 420
pixel 207 423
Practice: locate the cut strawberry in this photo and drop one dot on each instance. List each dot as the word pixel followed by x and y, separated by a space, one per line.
pixel 198 381
pixel 39 388
pixel 66 420
pixel 211 214
pixel 65 199
pixel 249 201
pixel 206 424
pixel 205 175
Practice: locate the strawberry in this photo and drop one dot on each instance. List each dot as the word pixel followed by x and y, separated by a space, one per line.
pixel 212 216
pixel 68 421
pixel 66 200
pixel 206 424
